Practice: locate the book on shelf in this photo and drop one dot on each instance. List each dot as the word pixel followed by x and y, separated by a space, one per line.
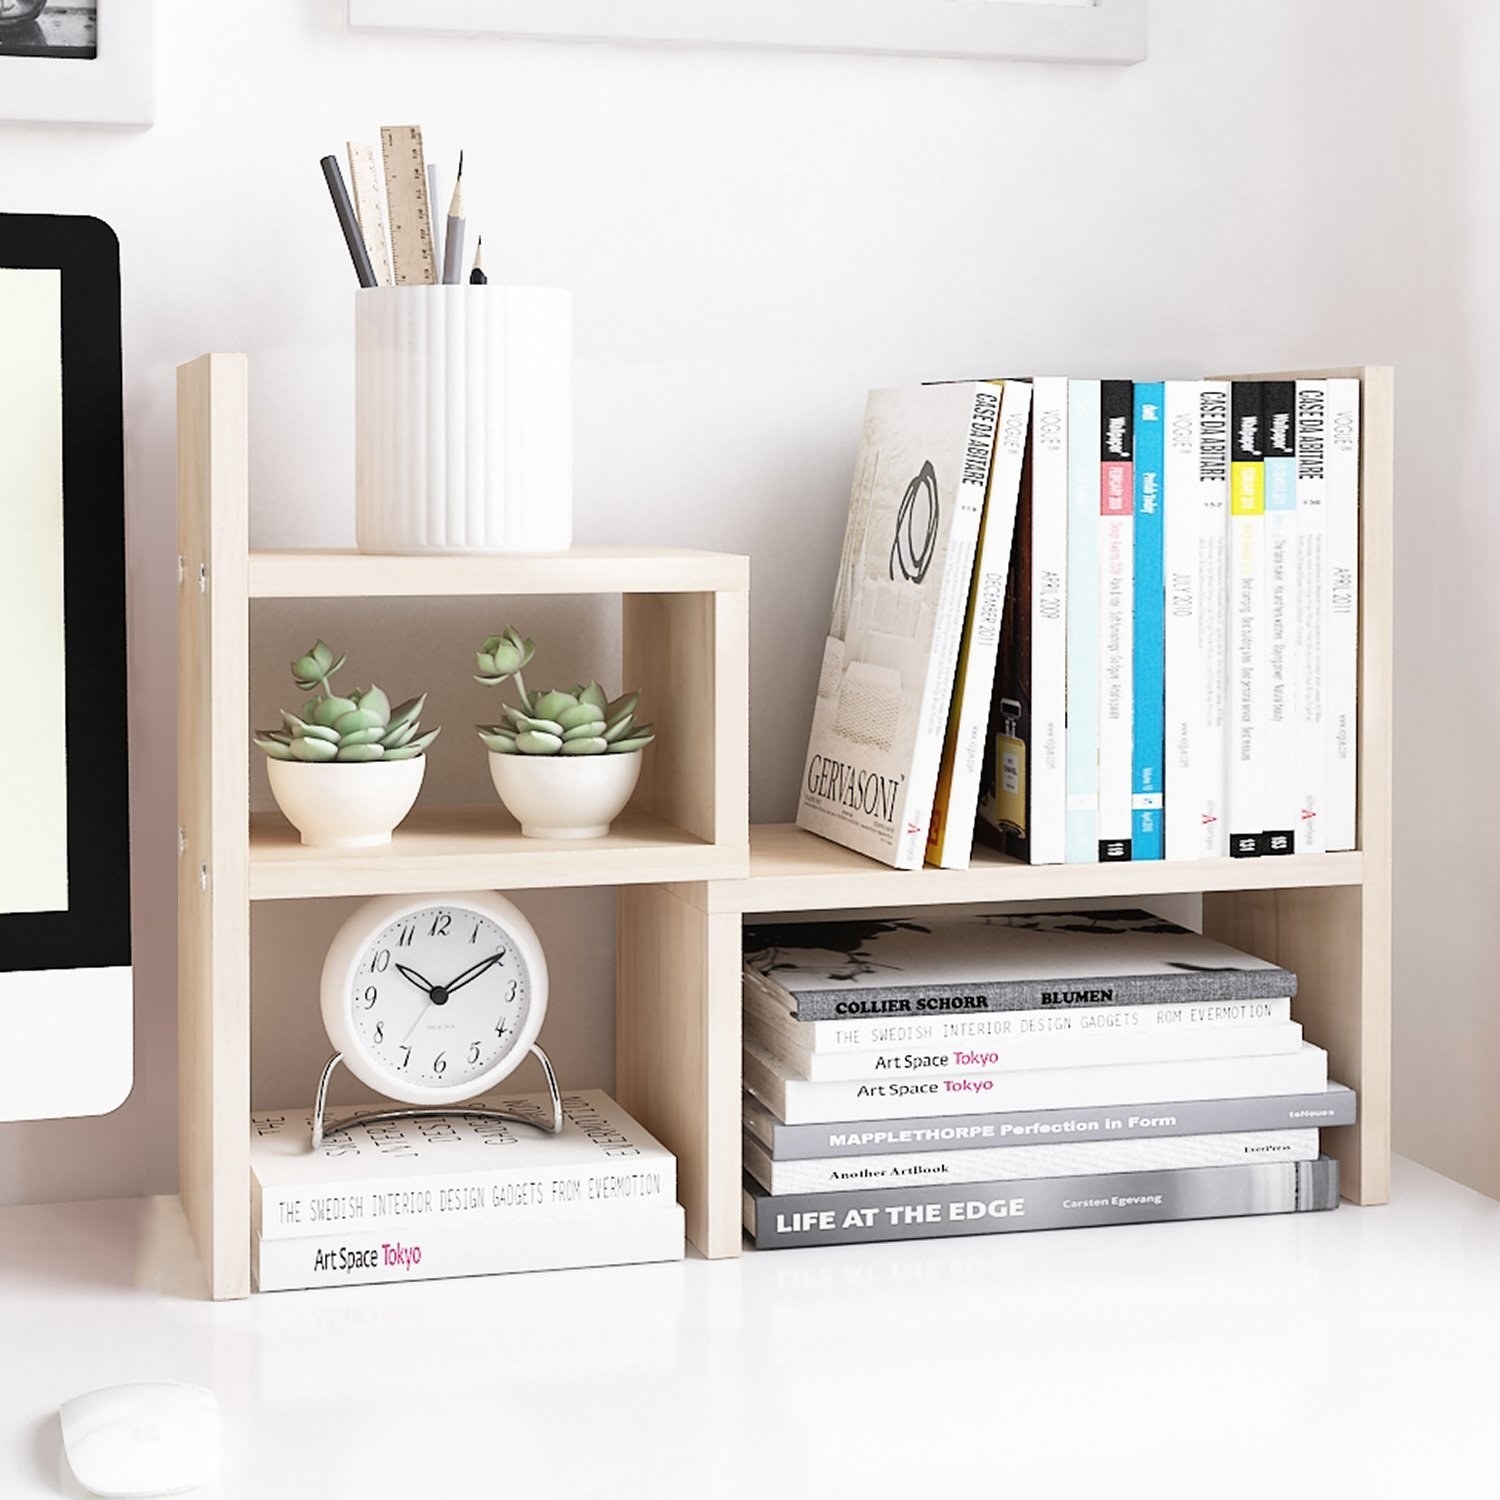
pixel 1021 1054
pixel 897 967
pixel 1116 561
pixel 1148 641
pixel 886 682
pixel 1322 1108
pixel 1210 499
pixel 1082 828
pixel 401 1176
pixel 1023 779
pixel 950 834
pixel 1245 711
pixel 938 1210
pixel 797 1101
pixel 1016 1030
pixel 1311 597
pixel 845 1174
pixel 429 1251
pixel 1341 619
pixel 1280 698
pixel 1182 690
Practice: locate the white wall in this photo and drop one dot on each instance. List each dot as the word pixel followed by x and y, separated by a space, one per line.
pixel 752 240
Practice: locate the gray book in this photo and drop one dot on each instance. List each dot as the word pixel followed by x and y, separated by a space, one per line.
pixel 1330 1106
pixel 837 970
pixel 938 1210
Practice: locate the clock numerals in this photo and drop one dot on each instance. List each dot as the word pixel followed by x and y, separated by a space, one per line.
pixel 473 1052
pixel 407 936
pixel 474 936
pixel 379 1032
pixel 381 962
pixel 440 1064
pixel 405 1057
pixel 440 924
pixel 510 991
pixel 371 995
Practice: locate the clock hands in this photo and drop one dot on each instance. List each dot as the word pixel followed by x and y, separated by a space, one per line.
pixel 471 974
pixel 415 978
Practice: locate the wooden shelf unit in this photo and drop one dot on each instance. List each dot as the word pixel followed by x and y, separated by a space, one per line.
pixel 684 639
pixel 689 871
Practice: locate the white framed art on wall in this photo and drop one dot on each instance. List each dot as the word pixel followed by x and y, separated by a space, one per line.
pixel 81 62
pixel 1105 31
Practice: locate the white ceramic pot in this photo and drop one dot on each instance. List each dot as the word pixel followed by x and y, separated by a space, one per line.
pixel 565 796
pixel 346 805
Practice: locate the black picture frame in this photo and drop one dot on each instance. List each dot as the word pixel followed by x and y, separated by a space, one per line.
pixel 94 931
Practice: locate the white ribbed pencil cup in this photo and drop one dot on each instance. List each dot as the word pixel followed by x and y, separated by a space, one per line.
pixel 463 416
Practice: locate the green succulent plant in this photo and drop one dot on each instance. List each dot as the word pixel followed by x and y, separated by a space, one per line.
pixel 581 721
pixel 360 727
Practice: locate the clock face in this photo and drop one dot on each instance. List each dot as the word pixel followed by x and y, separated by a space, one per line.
pixel 431 999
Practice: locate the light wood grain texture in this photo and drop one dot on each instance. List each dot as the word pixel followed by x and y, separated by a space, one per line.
pixel 213 735
pixel 677 1050
pixel 584 570
pixel 689 655
pixel 479 848
pixel 793 870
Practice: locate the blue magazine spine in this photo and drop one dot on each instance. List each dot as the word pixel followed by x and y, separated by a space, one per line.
pixel 1148 790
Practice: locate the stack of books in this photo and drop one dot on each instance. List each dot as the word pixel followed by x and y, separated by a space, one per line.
pixel 1096 620
pixel 412 1200
pixel 977 1074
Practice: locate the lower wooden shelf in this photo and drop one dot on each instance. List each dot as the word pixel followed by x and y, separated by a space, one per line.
pixel 480 848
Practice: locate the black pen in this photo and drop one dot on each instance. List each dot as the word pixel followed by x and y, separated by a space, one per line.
pixel 348 222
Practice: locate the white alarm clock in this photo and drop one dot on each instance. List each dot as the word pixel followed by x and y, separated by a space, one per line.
pixel 434 999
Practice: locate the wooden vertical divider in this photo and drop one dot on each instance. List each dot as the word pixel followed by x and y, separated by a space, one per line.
pixel 213 911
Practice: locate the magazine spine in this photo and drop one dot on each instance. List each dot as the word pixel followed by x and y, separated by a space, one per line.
pixel 1311 596
pixel 1147 800
pixel 1116 615
pixel 1212 495
pixel 1245 712
pixel 1182 692
pixel 1280 697
pixel 1341 623
pixel 1083 623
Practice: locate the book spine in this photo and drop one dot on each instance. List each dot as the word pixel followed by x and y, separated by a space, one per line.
pixel 1005 1026
pixel 916 805
pixel 1185 988
pixel 1083 622
pixel 1029 1051
pixel 1341 617
pixel 1311 593
pixel 1116 615
pixel 1047 813
pixel 1247 649
pixel 495 1196
pixel 426 1254
pixel 1324 1108
pixel 842 1174
pixel 1212 505
pixel 1280 738
pixel 1182 692
pixel 1147 802
pixel 795 1101
pixel 950 837
pixel 936 1210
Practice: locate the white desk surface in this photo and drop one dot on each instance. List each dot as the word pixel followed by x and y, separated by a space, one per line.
pixel 1330 1355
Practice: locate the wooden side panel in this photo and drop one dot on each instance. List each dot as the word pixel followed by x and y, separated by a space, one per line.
pixel 213 913
pixel 677 1068
pixel 689 653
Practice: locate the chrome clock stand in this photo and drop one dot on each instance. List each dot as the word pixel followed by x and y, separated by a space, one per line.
pixel 321 1132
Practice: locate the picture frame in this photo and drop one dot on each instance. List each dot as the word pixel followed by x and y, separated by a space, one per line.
pixel 1100 31
pixel 115 87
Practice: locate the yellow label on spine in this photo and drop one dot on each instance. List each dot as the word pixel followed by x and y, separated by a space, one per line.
pixel 1247 489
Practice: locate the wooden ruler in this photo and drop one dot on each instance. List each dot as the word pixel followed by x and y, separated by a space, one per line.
pixel 369 205
pixel 406 203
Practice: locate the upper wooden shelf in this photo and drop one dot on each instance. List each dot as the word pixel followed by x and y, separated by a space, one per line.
pixel 480 848
pixel 584 570
pixel 792 870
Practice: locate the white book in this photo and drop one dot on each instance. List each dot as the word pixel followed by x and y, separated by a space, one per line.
pixel 405 1174
pixel 1083 623
pixel 1089 1049
pixel 1341 620
pixel 837 1174
pixel 1047 764
pixel 1010 1027
pixel 1183 692
pixel 900 599
pixel 1245 712
pixel 1116 586
pixel 1212 505
pixel 796 1101
pixel 431 1252
pixel 1280 732
pixel 950 838
pixel 1312 597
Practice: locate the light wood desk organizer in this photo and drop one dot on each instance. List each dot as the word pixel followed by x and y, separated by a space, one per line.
pixel 688 868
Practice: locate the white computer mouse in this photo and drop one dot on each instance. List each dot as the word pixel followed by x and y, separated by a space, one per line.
pixel 155 1438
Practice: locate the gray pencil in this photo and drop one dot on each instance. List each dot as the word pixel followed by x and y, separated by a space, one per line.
pixel 453 246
